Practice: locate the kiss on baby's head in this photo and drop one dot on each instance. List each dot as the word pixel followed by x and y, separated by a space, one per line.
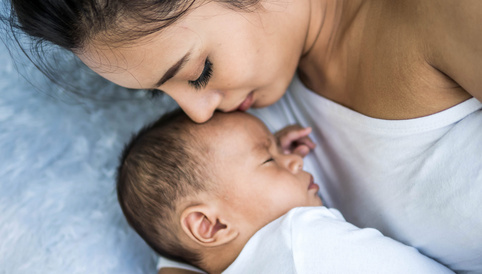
pixel 197 192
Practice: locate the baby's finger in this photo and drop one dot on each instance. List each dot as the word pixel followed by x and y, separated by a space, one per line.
pixel 301 150
pixel 293 136
pixel 306 141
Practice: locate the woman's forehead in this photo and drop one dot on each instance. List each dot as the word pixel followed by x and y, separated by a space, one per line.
pixel 141 63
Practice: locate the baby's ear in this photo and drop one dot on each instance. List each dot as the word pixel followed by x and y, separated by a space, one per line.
pixel 204 225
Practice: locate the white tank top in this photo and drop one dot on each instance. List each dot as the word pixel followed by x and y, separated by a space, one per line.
pixel 418 181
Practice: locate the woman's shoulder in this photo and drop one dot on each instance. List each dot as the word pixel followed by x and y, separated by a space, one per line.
pixel 451 32
pixel 416 58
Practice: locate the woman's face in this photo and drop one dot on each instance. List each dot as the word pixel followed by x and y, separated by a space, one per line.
pixel 212 58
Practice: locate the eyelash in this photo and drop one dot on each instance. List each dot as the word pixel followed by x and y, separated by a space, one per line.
pixel 203 79
pixel 269 160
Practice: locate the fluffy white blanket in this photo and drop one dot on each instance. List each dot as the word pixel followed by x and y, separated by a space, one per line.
pixel 58 157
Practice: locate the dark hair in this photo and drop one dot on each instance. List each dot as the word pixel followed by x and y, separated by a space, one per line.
pixel 159 166
pixel 72 24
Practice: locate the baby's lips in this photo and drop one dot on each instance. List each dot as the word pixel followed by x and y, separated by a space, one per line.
pixel 312 184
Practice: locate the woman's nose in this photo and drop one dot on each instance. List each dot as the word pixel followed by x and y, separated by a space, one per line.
pixel 199 106
pixel 293 162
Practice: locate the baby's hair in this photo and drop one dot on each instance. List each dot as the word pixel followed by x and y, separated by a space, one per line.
pixel 159 166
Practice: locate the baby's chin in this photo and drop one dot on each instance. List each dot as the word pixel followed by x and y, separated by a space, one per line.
pixel 319 202
pixel 313 202
pixel 316 201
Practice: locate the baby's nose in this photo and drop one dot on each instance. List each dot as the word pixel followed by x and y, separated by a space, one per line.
pixel 294 162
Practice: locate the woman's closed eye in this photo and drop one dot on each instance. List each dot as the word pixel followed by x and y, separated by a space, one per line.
pixel 203 79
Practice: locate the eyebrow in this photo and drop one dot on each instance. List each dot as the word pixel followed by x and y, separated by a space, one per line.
pixel 263 145
pixel 172 71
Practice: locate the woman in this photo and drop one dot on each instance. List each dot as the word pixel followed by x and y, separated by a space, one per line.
pixel 392 89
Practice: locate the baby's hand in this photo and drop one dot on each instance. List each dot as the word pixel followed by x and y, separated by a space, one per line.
pixel 294 139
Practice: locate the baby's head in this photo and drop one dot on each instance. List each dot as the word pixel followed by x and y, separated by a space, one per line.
pixel 198 192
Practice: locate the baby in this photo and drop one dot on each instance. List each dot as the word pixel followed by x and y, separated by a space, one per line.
pixel 224 197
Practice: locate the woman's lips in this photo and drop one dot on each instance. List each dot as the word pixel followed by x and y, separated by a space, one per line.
pixel 246 104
